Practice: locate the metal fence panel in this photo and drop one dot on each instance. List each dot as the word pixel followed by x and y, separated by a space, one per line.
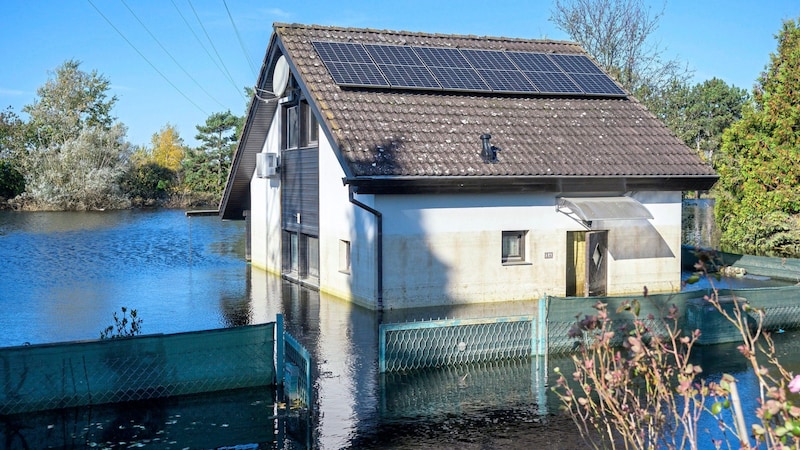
pixel 51 376
pixel 452 342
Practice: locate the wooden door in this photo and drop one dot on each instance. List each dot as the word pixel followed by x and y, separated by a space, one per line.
pixel 576 264
pixel 596 263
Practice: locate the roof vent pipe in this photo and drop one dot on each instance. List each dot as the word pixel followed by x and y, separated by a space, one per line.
pixel 489 150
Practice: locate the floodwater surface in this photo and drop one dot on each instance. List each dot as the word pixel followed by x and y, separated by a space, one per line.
pixel 65 274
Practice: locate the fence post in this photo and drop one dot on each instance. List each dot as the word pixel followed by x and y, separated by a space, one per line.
pixel 541 327
pixel 381 349
pixel 280 350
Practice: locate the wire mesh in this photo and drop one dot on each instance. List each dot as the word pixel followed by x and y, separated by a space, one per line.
pixel 52 376
pixel 439 343
pixel 297 384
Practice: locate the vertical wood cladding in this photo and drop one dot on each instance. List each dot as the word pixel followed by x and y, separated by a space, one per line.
pixel 300 190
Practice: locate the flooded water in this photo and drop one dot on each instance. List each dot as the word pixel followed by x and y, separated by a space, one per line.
pixel 64 274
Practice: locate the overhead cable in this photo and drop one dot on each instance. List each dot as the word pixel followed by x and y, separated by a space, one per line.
pixel 147 60
pixel 170 55
pixel 239 37
pixel 214 48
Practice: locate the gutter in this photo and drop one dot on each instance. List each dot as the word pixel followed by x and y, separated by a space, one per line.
pixel 379 249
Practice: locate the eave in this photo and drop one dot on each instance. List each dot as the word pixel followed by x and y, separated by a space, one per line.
pixel 522 184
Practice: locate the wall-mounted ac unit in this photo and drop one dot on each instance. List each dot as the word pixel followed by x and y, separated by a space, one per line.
pixel 266 165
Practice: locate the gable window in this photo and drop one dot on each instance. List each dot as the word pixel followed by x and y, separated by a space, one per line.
pixel 310 127
pixel 291 130
pixel 513 246
pixel 300 128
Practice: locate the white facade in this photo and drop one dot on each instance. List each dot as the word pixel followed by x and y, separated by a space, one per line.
pixel 444 249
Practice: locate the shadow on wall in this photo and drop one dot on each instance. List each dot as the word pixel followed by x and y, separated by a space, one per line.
pixel 648 242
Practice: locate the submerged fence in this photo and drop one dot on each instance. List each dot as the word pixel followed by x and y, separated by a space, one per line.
pixel 51 376
pixel 449 342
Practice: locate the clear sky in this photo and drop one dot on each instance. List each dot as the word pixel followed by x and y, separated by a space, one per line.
pixel 178 61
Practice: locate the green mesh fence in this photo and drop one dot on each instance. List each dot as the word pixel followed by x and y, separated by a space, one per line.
pixel 51 376
pixel 432 392
pixel 452 342
pixel 297 381
pixel 781 307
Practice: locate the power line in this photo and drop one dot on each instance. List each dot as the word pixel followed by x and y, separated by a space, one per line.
pixel 203 46
pixel 170 55
pixel 213 47
pixel 147 60
pixel 239 37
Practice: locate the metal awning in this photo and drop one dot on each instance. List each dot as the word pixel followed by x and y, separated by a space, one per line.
pixel 588 209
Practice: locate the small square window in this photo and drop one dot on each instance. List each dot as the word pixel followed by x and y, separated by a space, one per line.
pixel 514 246
pixel 344 256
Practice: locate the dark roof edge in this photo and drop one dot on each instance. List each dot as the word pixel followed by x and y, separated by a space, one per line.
pixel 231 204
pixel 520 184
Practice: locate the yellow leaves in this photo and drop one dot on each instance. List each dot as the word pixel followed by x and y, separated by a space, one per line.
pixel 168 149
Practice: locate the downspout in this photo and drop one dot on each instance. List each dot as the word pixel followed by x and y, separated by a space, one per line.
pixel 379 249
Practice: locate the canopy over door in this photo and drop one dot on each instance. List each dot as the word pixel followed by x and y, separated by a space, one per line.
pixel 588 209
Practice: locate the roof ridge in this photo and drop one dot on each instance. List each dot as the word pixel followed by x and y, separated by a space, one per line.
pixel 423 34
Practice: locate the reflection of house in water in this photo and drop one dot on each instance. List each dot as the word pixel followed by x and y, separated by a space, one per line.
pixel 398 169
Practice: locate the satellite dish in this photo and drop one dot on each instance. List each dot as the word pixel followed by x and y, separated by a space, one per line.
pixel 280 77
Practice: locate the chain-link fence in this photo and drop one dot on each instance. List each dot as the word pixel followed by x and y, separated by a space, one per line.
pixel 50 376
pixel 451 342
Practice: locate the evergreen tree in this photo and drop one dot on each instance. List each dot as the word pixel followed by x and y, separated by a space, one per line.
pixel 758 195
pixel 206 167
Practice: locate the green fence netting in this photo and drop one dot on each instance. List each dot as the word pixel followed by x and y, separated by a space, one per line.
pixel 51 376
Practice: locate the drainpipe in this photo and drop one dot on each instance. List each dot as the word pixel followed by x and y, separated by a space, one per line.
pixel 379 250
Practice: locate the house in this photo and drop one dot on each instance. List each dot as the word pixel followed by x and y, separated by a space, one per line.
pixel 402 169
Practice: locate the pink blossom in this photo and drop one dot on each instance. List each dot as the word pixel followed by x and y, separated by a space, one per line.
pixel 794 385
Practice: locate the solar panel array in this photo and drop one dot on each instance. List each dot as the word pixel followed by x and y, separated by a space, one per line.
pixel 452 69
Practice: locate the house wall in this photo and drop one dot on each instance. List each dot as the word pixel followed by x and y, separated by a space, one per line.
pixel 341 220
pixel 446 249
pixel 265 212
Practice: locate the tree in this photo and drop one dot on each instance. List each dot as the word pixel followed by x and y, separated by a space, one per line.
pixel 618 34
pixel 68 103
pixel 758 194
pixel 701 113
pixel 168 148
pixel 206 168
pixel 75 153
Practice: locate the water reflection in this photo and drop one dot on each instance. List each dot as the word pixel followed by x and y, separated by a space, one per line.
pixel 64 274
pixel 62 281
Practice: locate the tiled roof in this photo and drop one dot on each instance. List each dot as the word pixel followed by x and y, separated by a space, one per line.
pixel 384 132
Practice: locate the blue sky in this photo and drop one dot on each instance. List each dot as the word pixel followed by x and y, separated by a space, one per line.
pixel 165 67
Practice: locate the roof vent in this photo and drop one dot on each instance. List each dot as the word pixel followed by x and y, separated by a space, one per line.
pixel 489 150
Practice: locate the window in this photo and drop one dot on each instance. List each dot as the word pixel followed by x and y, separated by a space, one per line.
pixel 344 256
pixel 291 132
pixel 300 127
pixel 514 246
pixel 310 127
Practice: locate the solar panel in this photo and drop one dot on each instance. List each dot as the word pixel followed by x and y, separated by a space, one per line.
pixel 507 81
pixel 401 66
pixel 488 59
pixel 576 64
pixel 533 62
pixel 349 64
pixel 356 74
pixel 442 57
pixel 587 75
pixel 452 69
pixel 408 76
pixel 553 83
pixel 459 79
pixel 597 84
pixel 341 52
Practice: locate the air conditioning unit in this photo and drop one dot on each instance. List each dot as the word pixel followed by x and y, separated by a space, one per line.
pixel 266 165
